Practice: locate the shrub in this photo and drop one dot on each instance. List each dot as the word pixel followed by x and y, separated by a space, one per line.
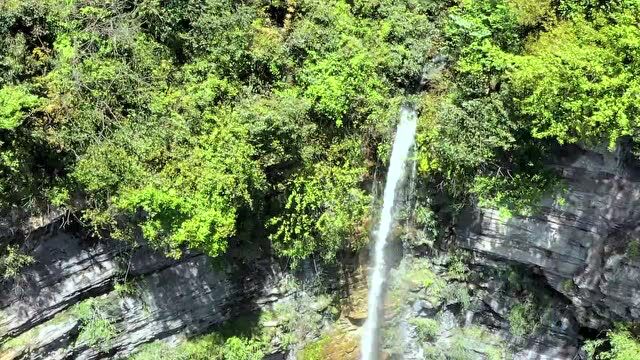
pixel 457 269
pixel 207 347
pixel 469 342
pixel 434 353
pixel 241 349
pixel 12 263
pixel 426 328
pixel 97 323
pixel 426 224
pixel 633 248
pixel 457 293
pixel 523 318
pixel 620 344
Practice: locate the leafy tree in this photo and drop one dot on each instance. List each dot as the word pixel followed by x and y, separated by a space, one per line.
pixel 13 261
pixel 477 35
pixel 195 199
pixel 325 208
pixel 15 104
pixel 531 13
pixel 578 82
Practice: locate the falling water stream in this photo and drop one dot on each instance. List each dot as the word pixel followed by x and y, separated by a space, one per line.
pixel 402 143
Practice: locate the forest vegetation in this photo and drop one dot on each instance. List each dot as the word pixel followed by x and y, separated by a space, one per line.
pixel 261 124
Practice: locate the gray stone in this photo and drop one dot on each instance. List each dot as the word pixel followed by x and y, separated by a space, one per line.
pixel 173 297
pixel 579 246
pixel 421 305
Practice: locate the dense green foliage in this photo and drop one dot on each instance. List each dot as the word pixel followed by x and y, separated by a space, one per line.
pixel 208 124
pixel 526 76
pixel 208 347
pixel 426 328
pixel 620 344
pixel 97 329
pixel 13 261
pixel 594 66
pixel 200 123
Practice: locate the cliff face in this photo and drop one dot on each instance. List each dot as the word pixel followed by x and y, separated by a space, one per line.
pixel 586 246
pixel 41 315
pixel 471 316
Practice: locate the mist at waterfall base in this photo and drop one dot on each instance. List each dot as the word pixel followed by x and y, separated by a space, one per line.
pixel 402 144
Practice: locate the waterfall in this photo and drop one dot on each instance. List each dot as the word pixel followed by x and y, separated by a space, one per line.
pixel 401 145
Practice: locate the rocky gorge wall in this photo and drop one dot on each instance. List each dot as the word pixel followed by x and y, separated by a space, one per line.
pixel 40 315
pixel 448 314
pixel 579 257
pixel 529 287
pixel 585 246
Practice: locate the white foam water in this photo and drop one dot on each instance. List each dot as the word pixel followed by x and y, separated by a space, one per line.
pixel 404 139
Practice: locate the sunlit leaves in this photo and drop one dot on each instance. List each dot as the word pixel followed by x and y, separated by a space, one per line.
pixel 620 343
pixel 15 104
pixel 579 81
pixel 326 208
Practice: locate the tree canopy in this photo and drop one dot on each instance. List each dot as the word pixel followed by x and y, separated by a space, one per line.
pixel 202 124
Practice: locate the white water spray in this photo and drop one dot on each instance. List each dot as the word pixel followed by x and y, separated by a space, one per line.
pixel 404 139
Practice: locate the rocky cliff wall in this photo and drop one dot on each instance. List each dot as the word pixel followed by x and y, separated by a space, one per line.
pixel 470 314
pixel 42 314
pixel 586 246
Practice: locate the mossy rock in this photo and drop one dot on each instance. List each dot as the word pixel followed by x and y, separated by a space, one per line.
pixel 356 306
pixel 333 346
pixel 477 342
pixel 10 354
pixel 17 346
